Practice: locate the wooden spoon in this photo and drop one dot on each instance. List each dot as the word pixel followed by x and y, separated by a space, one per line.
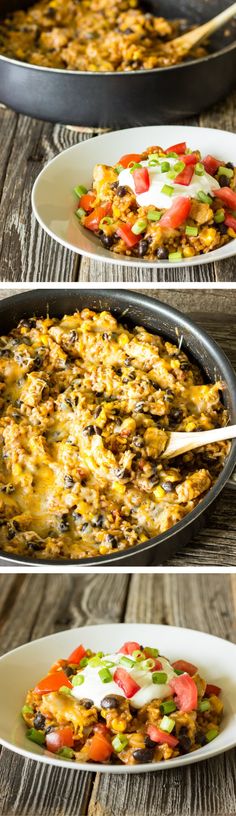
pixel 188 41
pixel 181 442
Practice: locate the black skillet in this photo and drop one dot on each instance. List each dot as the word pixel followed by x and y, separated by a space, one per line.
pixel 126 99
pixel 136 309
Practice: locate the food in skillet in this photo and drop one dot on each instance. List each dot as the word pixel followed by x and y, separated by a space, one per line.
pixel 94 36
pixel 129 707
pixel 86 406
pixel 161 204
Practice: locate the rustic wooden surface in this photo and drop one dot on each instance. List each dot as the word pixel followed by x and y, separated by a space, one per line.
pixel 26 252
pixel 35 606
pixel 214 310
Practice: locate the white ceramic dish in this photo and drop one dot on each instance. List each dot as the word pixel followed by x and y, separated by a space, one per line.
pixel 21 668
pixel 54 203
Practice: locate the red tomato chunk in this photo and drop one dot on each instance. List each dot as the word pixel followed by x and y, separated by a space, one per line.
pixel 52 682
pixel 141 180
pixel 128 685
pixel 177 213
pixel 185 692
pixel 185 666
pixel 60 738
pixel 161 737
pixel 77 655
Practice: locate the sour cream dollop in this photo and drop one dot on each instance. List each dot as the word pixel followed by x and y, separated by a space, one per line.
pixel 94 689
pixel 154 196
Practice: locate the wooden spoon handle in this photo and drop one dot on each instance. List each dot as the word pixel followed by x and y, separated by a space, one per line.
pixel 197 35
pixel 182 442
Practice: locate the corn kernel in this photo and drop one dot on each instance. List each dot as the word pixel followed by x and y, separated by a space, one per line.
pixel 119 488
pixel 103 549
pixel 118 725
pixel 44 339
pixel 159 492
pixel 116 212
pixel 231 232
pixel 207 236
pixel 17 470
pixel 123 339
pixel 143 537
pixel 190 426
pixel 188 252
pixel 175 364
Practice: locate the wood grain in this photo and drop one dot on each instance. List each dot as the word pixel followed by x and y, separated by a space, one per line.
pixel 40 604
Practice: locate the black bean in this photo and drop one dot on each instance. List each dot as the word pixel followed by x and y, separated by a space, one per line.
pixel 185 366
pixel 35 546
pixel 230 165
pixel 68 671
pixel 85 527
pixel 143 754
pixel 114 185
pixel 176 416
pixel 86 703
pixel 107 241
pixel 224 181
pixel 88 430
pixel 222 229
pixel 167 486
pixel 97 430
pixel 143 247
pixel 11 533
pixel 73 336
pixel 162 254
pixel 112 541
pixel 111 701
pixel 139 406
pixel 185 744
pixel 39 721
pixel 97 411
pixel 127 361
pixel 98 521
pixel 149 743
pixel 69 482
pixel 201 738
pixel 64 524
pixel 117 370
pixel 121 191
pixel 119 473
pixel 37 362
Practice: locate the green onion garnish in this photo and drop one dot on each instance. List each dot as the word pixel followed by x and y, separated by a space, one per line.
pixel 165 166
pixel 119 743
pixel 118 168
pixel 219 216
pixel 36 736
pixel 167 707
pixel 206 199
pixel 67 753
pixel 167 724
pixel 95 662
pixel 126 661
pixel 77 680
pixel 204 705
pixel 148 664
pixel 27 710
pixel 175 256
pixel 225 171
pixel 105 675
pixel 80 212
pixel 153 215
pixel 83 662
pixel 212 734
pixel 105 220
pixel 159 677
pixel 191 231
pixel 151 652
pixel 167 190
pixel 153 163
pixel 155 157
pixel 199 169
pixel 178 671
pixel 179 166
pixel 139 226
pixel 172 155
pixel 172 174
pixel 137 654
pixel 133 166
pixel 108 664
pixel 80 190
pixel 64 690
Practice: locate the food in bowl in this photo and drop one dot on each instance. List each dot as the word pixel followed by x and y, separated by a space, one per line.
pixel 130 707
pixel 161 204
pixel 86 409
pixel 95 36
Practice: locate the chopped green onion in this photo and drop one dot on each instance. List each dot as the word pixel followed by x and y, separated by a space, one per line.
pixel 67 753
pixel 108 664
pixel 175 256
pixel 219 216
pixel 105 675
pixel 172 174
pixel 36 736
pixel 167 707
pixel 77 680
pixel 95 662
pixel 167 190
pixel 118 168
pixel 126 661
pixel 133 166
pixel 206 199
pixel 153 215
pixel 105 220
pixel 151 652
pixel 212 734
pixel 80 212
pixel 178 671
pixel 159 677
pixel 191 231
pixel 165 166
pixel 167 724
pixel 83 662
pixel 172 155
pixel 137 654
pixel 139 226
pixel 179 166
pixel 204 705
pixel 64 690
pixel 100 654
pixel 199 169
pixel 80 190
pixel 225 171
pixel 153 163
pixel 27 710
pixel 147 664
pixel 155 157
pixel 119 743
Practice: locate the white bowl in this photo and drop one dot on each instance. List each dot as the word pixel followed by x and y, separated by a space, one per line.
pixel 54 203
pixel 21 668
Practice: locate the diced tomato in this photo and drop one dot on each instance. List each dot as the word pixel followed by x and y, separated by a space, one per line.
pixel 227 196
pixel 87 201
pixel 60 738
pixel 124 231
pixel 157 667
pixel 177 213
pixel 211 165
pixel 60 664
pixel 76 655
pixel 129 647
pixel 185 666
pixel 141 180
pixel 128 158
pixel 185 176
pixel 230 221
pixel 124 680
pixel 185 692
pixel 211 689
pixel 100 748
pixel 157 735
pixel 189 158
pixel 101 728
pixel 181 147
pixel 92 220
pixel 52 683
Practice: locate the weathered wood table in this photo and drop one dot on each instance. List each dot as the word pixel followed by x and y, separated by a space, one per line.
pixel 26 252
pixel 214 310
pixel 35 606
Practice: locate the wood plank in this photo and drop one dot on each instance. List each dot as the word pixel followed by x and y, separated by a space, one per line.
pixel 209 789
